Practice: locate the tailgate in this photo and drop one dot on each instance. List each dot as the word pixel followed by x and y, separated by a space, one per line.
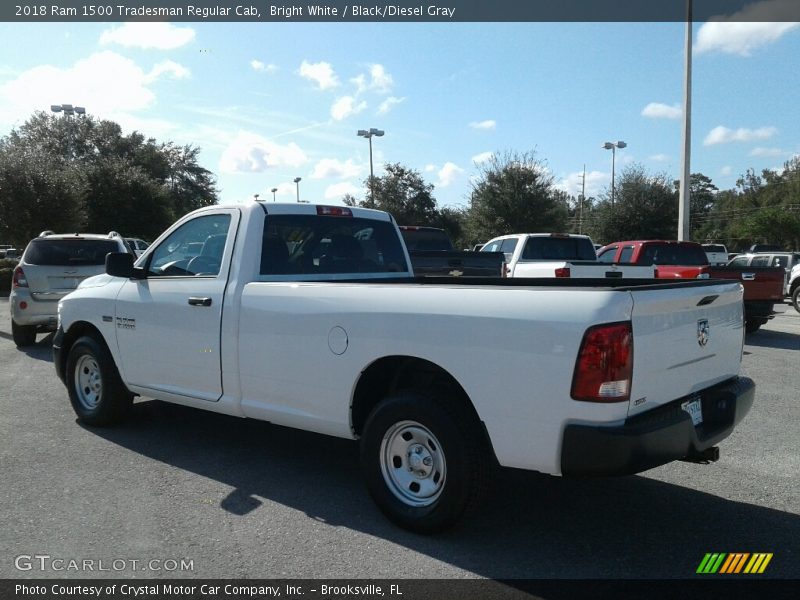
pixel 686 338
pixel 760 283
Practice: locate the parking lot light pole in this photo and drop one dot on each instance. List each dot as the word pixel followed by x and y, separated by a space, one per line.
pixel 273 190
pixel 613 147
pixel 369 134
pixel 297 182
pixel 69 111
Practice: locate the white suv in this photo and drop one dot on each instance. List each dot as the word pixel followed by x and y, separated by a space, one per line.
pixel 50 268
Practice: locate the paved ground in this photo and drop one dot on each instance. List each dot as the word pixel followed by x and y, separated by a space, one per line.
pixel 246 499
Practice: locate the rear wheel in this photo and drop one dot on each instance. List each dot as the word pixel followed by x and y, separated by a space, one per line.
pixel 426 460
pixel 96 391
pixel 24 335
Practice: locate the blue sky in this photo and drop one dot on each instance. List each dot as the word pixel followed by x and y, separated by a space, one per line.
pixel 268 102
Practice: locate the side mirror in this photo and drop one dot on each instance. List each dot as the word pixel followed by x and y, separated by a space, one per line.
pixel 120 264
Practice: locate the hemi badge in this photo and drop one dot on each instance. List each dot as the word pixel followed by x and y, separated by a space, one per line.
pixel 107 319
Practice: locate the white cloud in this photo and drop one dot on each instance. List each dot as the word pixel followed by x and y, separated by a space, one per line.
pixel 449 173
pixel 345 107
pixel 161 36
pixel 380 80
pixel 320 73
pixel 108 85
pixel 261 67
pixel 387 104
pixel 724 135
pixel 656 110
pixel 430 168
pixel 488 125
pixel 595 182
pixel 328 168
pixel 482 157
pixel 772 152
pixel 756 25
pixel 251 153
pixel 338 190
pixel 361 83
pixel 169 67
pixel 659 157
pixel 726 170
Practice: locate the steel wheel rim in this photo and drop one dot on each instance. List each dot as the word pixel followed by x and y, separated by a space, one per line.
pixel 413 463
pixel 88 382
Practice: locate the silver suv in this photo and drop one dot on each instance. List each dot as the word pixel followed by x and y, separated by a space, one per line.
pixel 50 268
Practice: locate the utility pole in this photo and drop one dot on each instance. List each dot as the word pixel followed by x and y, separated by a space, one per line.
pixel 684 196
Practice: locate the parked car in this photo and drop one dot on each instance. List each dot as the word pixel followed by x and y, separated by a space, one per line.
pixel 51 267
pixel 672 259
pixel 558 255
pixel 794 287
pixel 785 260
pixel 764 248
pixel 438 380
pixel 138 246
pixel 433 254
pixel 717 254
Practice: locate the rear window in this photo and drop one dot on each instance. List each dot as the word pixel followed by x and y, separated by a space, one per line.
pixel 426 239
pixel 317 245
pixel 69 252
pixel 559 248
pixel 714 248
pixel 674 254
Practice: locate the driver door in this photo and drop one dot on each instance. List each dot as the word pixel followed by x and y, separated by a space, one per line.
pixel 168 324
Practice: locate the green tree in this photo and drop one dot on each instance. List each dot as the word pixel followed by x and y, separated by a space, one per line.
pixel 645 207
pixel 514 193
pixel 403 192
pixel 83 174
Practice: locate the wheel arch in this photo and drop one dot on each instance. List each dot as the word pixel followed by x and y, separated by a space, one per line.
pixel 77 330
pixel 393 373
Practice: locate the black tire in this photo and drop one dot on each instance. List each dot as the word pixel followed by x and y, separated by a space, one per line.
pixel 447 440
pixel 24 335
pixel 796 298
pixel 96 391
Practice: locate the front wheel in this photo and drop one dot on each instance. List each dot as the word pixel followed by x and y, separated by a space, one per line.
pixel 426 461
pixel 96 391
pixel 796 298
pixel 24 335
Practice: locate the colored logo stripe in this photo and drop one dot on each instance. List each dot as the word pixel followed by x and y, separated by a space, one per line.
pixel 734 563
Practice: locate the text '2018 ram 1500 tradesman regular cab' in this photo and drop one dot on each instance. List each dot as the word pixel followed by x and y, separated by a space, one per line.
pixel 310 317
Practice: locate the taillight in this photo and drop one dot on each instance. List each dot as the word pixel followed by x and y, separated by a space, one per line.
pixel 334 211
pixel 562 272
pixel 19 279
pixel 604 368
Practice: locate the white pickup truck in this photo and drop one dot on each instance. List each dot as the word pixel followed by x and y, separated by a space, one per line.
pixel 310 317
pixel 564 255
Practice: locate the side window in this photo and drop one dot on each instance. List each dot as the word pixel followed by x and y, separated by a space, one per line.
pixel 739 261
pixel 626 254
pixel 508 246
pixel 760 261
pixel 608 255
pixel 325 245
pixel 194 249
pixel 493 246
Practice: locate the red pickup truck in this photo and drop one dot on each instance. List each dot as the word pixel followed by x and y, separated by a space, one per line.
pixel 763 286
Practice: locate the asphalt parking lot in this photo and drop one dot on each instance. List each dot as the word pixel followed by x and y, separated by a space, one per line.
pixel 239 498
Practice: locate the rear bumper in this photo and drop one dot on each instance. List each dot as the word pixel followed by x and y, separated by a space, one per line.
pixel 658 436
pixel 39 313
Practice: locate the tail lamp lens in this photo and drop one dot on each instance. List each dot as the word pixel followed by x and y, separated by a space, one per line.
pixel 604 367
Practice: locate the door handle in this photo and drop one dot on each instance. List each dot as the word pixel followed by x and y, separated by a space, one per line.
pixel 748 276
pixel 199 301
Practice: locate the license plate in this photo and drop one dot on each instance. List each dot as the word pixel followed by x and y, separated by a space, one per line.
pixel 695 410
